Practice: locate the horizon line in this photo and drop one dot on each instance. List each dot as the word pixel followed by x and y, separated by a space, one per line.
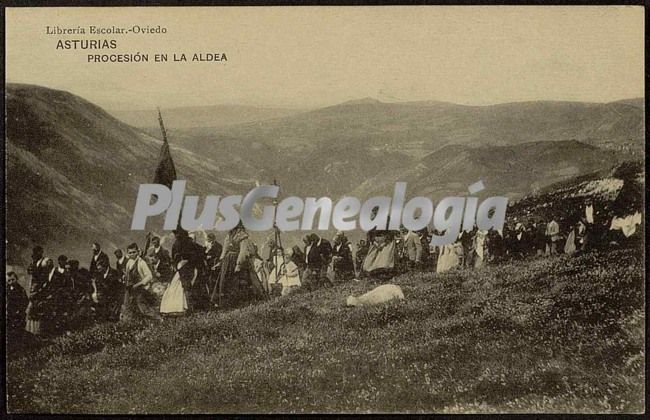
pixel 361 100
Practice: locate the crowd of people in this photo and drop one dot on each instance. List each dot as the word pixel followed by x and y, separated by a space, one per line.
pixel 155 283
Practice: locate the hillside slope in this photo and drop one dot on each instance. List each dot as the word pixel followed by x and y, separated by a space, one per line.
pixel 549 335
pixel 511 171
pixel 73 173
pixel 619 191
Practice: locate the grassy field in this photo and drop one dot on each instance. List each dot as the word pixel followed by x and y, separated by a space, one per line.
pixel 563 334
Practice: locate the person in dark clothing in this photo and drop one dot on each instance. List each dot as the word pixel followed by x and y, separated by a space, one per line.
pixel 161 253
pixel 298 258
pixel 510 240
pixel 601 233
pixel 342 263
pixel 212 254
pixel 324 248
pixel 200 291
pixel 79 278
pixel 98 255
pixel 182 246
pixel 83 310
pixel 361 252
pixel 17 302
pixel 411 250
pixel 434 250
pixel 195 286
pixel 120 264
pixel 62 260
pixel 496 246
pixel 36 269
pixel 425 239
pixel 522 243
pixel 312 263
pixel 50 304
pixel 467 241
pixel 161 271
pixel 238 282
pixel 539 237
pixel 318 253
pixel 107 286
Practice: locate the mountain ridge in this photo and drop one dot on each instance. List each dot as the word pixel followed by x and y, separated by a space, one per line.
pixel 75 169
pixel 427 126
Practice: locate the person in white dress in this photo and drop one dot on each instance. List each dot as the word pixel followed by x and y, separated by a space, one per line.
pixel 285 273
pixel 290 279
pixel 174 300
pixel 450 256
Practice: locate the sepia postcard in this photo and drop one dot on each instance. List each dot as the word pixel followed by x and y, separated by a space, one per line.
pixel 325 209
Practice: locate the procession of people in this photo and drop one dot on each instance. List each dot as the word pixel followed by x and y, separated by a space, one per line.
pixel 155 284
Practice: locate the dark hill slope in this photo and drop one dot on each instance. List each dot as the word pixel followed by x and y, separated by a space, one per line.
pixel 73 173
pixel 617 191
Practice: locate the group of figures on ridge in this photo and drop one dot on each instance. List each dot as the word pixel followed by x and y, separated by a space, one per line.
pixel 156 283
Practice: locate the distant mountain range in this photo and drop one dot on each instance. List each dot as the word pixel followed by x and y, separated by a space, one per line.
pixel 417 127
pixel 350 143
pixel 73 170
pixel 202 116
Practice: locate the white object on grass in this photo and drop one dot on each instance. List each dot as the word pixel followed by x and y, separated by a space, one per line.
pixel 381 294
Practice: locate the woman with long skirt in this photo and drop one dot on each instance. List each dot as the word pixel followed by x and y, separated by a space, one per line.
pixel 238 281
pixel 174 300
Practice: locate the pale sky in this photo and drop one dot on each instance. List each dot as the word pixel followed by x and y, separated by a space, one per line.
pixel 316 56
